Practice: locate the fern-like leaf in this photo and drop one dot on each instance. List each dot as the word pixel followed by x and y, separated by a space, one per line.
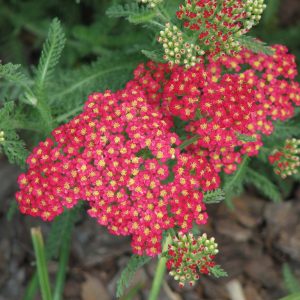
pixel 263 185
pixel 233 185
pixel 72 88
pixel 290 281
pixel 215 196
pixel 246 138
pixel 12 146
pixel 135 262
pixel 255 45
pixel 132 12
pixel 156 56
pixel 50 56
pixel 129 9
pixel 12 73
pixel 15 149
pixel 217 271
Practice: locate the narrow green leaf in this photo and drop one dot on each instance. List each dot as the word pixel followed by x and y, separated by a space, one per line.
pixel 12 210
pixel 142 17
pixel 40 254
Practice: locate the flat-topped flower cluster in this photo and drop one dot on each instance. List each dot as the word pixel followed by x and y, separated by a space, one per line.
pixel 228 103
pixel 115 156
pixel 124 155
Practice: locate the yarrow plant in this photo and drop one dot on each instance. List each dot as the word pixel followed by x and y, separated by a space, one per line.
pixel 147 158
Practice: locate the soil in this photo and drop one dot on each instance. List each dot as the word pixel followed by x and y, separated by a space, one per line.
pixel 254 240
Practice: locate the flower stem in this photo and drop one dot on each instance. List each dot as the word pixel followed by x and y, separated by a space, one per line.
pixel 63 263
pixel 160 272
pixel 43 276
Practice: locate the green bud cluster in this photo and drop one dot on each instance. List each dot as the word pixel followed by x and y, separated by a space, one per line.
pixel 150 3
pixel 2 136
pixel 286 160
pixel 177 50
pixel 220 24
pixel 189 257
pixel 254 9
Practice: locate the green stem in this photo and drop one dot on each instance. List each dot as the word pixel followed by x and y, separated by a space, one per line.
pixel 156 23
pixel 160 272
pixel 63 265
pixel 31 288
pixel 23 125
pixel 69 114
pixel 42 271
pixel 189 142
pixel 46 116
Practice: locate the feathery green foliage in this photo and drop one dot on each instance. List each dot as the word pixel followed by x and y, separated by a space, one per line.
pixel 74 86
pixel 215 196
pixel 155 55
pixel 11 72
pixel 135 262
pixel 50 56
pixel 233 184
pixel 246 138
pixel 263 185
pixel 255 45
pixel 12 146
pixel 132 11
pixel 218 272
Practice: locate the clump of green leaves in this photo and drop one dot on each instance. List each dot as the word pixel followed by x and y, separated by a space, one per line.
pixel 291 283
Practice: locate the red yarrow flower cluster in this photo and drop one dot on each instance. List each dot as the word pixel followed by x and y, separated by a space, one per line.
pixel 228 109
pixel 115 156
pixel 124 154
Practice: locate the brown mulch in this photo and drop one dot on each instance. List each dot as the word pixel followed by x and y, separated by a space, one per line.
pixel 254 240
